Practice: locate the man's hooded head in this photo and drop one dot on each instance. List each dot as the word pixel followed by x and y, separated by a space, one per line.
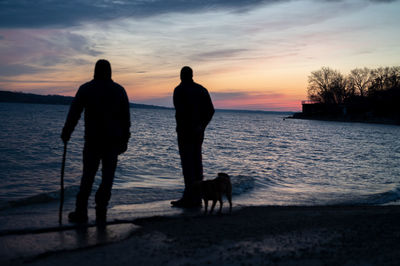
pixel 102 70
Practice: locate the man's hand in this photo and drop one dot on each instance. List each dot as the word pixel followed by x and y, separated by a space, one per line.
pixel 123 148
pixel 65 137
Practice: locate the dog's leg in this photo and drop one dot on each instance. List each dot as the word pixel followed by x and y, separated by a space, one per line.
pixel 229 197
pixel 205 206
pixel 213 206
pixel 220 204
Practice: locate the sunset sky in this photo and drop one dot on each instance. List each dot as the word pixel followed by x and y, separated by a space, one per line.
pixel 250 54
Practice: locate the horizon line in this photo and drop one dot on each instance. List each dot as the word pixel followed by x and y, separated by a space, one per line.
pixel 160 106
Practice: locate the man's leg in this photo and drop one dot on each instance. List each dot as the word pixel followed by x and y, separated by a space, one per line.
pixel 186 154
pixel 187 151
pixel 197 167
pixel 91 161
pixel 197 158
pixel 103 194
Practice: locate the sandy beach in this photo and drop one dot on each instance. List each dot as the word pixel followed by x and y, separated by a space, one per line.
pixel 262 235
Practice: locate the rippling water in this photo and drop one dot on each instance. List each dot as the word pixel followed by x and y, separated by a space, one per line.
pixel 270 160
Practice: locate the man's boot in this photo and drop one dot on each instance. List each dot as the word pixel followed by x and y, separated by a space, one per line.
pixel 101 215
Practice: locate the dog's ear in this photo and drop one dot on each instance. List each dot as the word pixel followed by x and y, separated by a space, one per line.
pixel 223 175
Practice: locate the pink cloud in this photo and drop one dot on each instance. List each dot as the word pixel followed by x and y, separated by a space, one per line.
pixel 270 100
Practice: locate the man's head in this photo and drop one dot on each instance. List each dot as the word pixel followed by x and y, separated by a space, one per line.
pixel 186 73
pixel 102 70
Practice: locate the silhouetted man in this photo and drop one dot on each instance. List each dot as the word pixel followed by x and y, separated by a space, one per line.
pixel 194 111
pixel 107 123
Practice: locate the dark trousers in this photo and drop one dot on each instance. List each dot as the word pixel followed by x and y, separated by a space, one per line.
pixel 191 159
pixel 91 161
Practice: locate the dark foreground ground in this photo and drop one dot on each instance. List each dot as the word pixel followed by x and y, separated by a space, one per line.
pixel 251 236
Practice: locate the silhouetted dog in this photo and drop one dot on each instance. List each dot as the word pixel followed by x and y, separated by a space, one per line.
pixel 214 189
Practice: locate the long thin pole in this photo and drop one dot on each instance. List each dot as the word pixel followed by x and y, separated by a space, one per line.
pixel 62 185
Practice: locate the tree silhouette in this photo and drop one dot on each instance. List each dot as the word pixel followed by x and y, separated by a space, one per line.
pixel 327 86
pixel 362 93
pixel 358 81
pixel 384 79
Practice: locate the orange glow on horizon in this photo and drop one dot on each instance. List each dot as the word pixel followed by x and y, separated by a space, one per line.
pixel 256 91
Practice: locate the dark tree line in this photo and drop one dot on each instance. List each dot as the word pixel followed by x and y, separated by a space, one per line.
pixel 365 90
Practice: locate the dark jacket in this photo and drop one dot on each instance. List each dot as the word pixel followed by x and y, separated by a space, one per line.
pixel 193 106
pixel 107 117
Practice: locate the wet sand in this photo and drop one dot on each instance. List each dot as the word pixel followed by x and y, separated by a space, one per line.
pixel 337 235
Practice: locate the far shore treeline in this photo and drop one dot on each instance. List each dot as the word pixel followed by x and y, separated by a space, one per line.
pixel 21 97
pixel 365 95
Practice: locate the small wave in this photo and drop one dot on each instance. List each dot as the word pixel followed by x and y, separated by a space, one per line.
pixel 40 198
pixel 242 184
pixel 140 195
pixel 384 197
pixel 381 198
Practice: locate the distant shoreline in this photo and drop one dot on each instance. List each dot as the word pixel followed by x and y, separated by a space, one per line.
pixel 348 119
pixel 30 98
pixel 22 97
pixel 363 112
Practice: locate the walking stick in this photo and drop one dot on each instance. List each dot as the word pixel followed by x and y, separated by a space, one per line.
pixel 62 185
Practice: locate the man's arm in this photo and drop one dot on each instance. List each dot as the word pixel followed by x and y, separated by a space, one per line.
pixel 73 117
pixel 208 110
pixel 178 105
pixel 126 118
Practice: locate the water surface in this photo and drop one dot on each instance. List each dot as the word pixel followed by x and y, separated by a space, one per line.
pixel 270 160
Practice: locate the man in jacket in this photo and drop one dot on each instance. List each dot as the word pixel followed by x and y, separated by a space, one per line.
pixel 194 110
pixel 107 123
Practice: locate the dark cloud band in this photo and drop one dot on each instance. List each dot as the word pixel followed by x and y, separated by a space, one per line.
pixel 56 13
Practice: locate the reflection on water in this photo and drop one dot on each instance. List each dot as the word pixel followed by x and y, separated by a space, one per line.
pixel 270 160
